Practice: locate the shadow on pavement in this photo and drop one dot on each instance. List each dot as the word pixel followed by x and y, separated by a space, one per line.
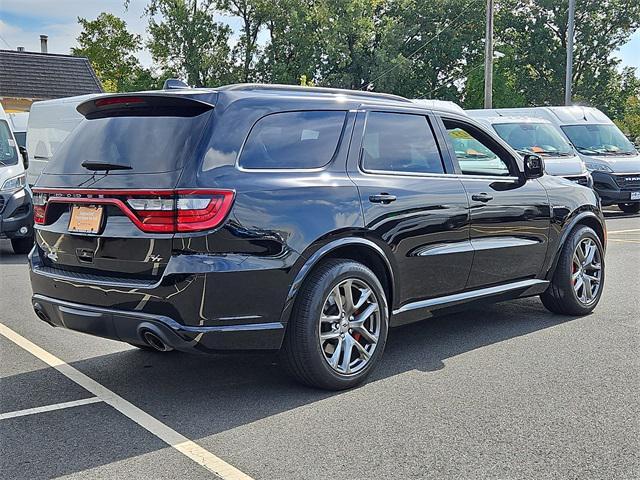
pixel 203 395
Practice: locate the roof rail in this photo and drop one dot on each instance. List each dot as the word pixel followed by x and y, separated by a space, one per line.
pixel 325 90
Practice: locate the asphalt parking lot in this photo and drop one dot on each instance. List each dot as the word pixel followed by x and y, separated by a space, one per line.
pixel 508 391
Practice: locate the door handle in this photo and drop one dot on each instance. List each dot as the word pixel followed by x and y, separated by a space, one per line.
pixel 384 198
pixel 481 197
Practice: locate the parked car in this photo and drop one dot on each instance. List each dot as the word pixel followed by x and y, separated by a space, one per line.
pixel 304 220
pixel 50 122
pixel 534 135
pixel 612 159
pixel 18 124
pixel 16 210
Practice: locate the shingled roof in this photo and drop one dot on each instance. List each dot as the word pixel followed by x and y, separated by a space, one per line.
pixel 45 75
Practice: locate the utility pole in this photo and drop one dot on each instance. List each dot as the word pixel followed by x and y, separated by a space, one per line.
pixel 488 57
pixel 570 34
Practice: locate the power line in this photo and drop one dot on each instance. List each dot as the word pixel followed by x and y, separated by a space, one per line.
pixel 2 38
pixel 466 75
pixel 424 45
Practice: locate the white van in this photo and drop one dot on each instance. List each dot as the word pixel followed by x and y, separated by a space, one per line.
pixel 16 208
pixel 18 123
pixel 538 136
pixel 612 159
pixel 50 122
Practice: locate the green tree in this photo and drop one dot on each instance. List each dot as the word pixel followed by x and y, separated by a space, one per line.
pixel 111 49
pixel 629 121
pixel 536 32
pixel 253 14
pixel 186 39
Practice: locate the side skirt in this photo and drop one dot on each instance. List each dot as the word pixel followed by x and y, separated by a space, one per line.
pixel 416 311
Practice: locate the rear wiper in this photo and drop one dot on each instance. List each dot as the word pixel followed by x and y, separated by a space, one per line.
pixel 96 165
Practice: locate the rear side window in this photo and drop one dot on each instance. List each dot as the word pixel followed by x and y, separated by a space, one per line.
pixel 289 140
pixel 399 142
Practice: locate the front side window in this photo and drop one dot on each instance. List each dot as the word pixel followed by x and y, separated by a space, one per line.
pixel 399 142
pixel 596 139
pixel 539 138
pixel 8 152
pixel 293 140
pixel 474 151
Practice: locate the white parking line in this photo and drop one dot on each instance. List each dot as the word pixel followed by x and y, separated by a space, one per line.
pixel 49 408
pixel 624 231
pixel 165 433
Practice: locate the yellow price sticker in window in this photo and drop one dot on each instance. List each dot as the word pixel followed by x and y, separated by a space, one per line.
pixel 458 133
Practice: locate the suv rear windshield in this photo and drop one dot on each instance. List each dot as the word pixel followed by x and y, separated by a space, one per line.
pixel 148 144
pixel 8 152
pixel 299 140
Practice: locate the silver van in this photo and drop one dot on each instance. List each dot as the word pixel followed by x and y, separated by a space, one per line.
pixel 535 135
pixel 611 158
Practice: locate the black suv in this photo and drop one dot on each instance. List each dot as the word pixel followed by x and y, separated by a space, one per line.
pixel 305 220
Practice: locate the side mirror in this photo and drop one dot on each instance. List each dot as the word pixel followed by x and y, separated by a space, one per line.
pixel 533 166
pixel 25 157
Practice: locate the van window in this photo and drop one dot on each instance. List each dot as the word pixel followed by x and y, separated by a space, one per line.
pixel 596 139
pixel 8 152
pixel 148 144
pixel 400 142
pixel 304 140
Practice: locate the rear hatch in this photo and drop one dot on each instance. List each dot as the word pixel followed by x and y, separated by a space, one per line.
pixel 106 203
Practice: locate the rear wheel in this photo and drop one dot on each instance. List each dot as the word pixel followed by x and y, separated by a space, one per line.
pixel 578 281
pixel 629 207
pixel 338 328
pixel 22 245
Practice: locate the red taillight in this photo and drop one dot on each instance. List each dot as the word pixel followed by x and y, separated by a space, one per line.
pixel 104 102
pixel 153 211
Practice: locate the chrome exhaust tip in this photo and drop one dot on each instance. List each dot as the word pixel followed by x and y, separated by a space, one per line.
pixel 155 342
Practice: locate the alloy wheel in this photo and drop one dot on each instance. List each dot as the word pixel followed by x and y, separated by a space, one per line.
pixel 349 326
pixel 586 271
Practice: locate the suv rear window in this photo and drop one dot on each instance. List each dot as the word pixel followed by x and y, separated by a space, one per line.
pixel 299 140
pixel 149 144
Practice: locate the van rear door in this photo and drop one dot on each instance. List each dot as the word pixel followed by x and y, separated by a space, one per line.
pixel 106 203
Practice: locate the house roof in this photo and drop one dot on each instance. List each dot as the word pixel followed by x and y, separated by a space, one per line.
pixel 45 75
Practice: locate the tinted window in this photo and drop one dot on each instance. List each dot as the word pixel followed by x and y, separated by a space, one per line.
pixel 399 142
pixel 8 152
pixel 149 144
pixel 21 138
pixel 293 140
pixel 475 153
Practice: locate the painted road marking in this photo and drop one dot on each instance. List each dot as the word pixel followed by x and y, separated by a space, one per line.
pixel 624 231
pixel 165 433
pixel 49 408
pixel 619 240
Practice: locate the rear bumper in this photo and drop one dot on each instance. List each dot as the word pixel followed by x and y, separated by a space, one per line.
pixel 201 303
pixel 16 215
pixel 131 326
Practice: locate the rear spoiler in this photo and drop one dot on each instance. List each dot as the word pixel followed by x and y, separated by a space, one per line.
pixel 192 102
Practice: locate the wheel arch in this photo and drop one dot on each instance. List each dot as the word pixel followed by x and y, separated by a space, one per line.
pixel 587 219
pixel 359 249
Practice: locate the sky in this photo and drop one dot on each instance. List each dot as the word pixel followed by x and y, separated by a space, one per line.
pixel 22 22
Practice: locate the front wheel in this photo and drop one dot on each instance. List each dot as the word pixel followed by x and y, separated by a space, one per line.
pixel 578 281
pixel 629 207
pixel 338 327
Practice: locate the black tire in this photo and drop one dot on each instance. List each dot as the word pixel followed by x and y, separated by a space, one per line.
pixel 629 207
pixel 561 296
pixel 302 353
pixel 22 245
